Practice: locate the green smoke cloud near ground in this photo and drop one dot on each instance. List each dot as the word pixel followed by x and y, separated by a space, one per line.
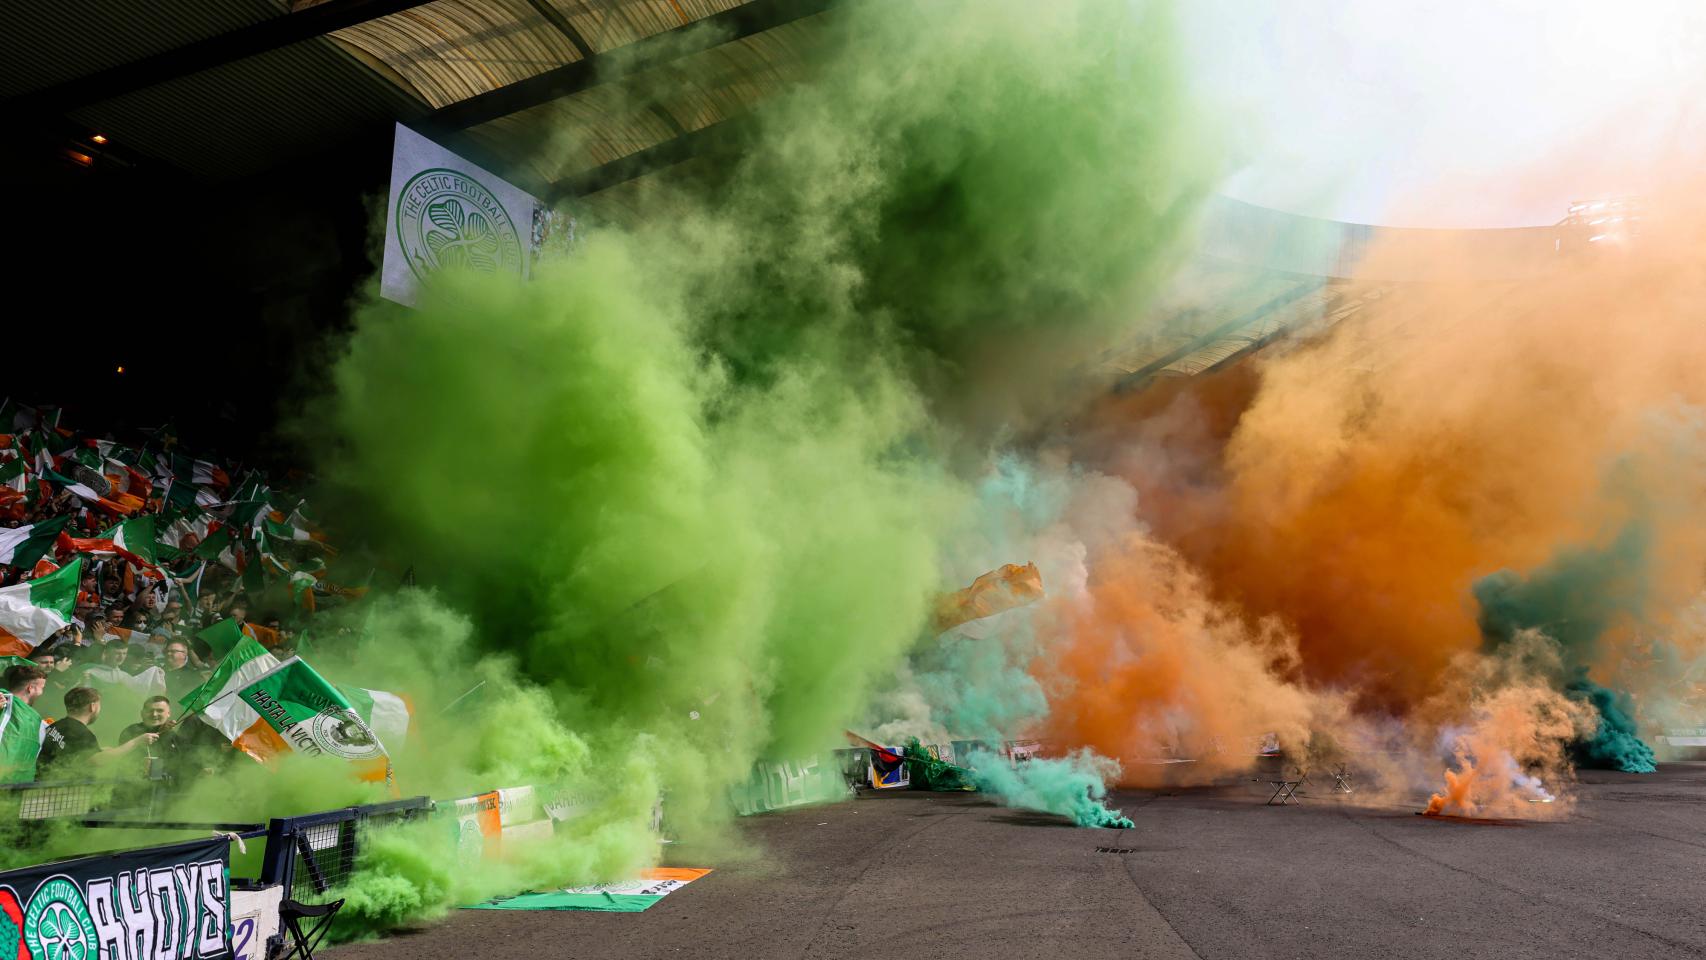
pixel 687 491
pixel 1072 786
pixel 1573 600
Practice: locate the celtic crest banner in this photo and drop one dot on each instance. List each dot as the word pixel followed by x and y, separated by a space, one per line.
pixel 170 901
pixel 447 213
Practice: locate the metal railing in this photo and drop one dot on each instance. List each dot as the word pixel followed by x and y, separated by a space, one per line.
pixel 41 802
pixel 60 799
pixel 314 853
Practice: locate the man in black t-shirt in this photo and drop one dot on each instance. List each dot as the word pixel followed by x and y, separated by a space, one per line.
pixel 70 748
pixel 156 718
pixel 159 759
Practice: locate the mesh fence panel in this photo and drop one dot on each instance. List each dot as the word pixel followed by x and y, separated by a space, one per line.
pixel 323 855
pixel 46 802
pixel 53 800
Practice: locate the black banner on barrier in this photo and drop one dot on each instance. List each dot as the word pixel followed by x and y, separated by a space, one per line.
pixel 162 903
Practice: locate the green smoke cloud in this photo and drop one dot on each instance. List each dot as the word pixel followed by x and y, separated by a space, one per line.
pixel 977 193
pixel 1073 786
pixel 975 682
pixel 686 493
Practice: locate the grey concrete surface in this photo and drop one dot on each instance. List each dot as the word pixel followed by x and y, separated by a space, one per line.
pixel 1209 873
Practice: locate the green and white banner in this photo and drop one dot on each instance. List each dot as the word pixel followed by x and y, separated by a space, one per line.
pixel 22 731
pixel 445 212
pixel 171 901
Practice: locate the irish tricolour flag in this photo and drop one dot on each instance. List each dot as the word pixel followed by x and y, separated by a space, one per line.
pixel 21 735
pixel 22 731
pixel 241 664
pixel 37 609
pixel 23 546
pixel 136 536
pixel 287 707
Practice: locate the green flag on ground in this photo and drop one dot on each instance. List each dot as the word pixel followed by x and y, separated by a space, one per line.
pixel 630 896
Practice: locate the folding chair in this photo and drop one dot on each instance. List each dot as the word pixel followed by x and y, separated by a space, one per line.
pixel 291 913
pixel 1285 791
pixel 1342 779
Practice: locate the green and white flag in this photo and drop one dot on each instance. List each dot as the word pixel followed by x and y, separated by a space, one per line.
pixel 282 531
pixel 247 662
pixel 189 521
pixel 82 490
pixel 23 546
pixel 385 713
pixel 148 683
pixel 295 710
pixel 223 637
pixel 37 609
pixel 217 546
pixel 135 535
pixel 182 495
pixel 15 474
pixel 199 472
pixel 22 731
pixel 190 586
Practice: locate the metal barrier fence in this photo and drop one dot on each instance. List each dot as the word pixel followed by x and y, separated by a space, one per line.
pixel 311 854
pixel 45 800
pixel 307 855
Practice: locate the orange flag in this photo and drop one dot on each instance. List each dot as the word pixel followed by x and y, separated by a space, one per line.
pixel 1013 585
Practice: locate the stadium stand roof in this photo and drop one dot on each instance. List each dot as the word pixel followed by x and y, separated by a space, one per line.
pixel 246 90
pixel 1260 274
pixel 231 88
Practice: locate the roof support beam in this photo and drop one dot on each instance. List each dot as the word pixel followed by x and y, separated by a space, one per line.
pixel 263 37
pixel 555 18
pixel 743 21
pixel 1141 376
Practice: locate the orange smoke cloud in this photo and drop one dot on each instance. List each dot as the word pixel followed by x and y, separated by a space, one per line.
pixel 1508 733
pixel 1456 793
pixel 1309 522
pixel 1152 670
pixel 1354 487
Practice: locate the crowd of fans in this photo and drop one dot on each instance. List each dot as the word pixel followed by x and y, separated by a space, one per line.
pixel 65 679
pixel 216 550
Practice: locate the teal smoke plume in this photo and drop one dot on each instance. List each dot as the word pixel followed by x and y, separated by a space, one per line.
pixel 1574 599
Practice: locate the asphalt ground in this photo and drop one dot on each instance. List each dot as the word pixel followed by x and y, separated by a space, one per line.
pixel 1207 873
